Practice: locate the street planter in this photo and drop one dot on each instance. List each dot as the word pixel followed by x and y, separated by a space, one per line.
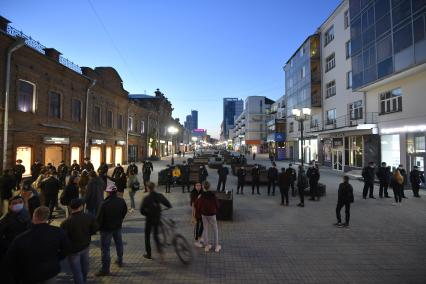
pixel 226 207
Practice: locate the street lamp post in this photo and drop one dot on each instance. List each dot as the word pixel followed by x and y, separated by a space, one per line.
pixel 172 130
pixel 301 116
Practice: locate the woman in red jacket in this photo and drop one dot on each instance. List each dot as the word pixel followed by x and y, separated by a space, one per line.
pixel 208 205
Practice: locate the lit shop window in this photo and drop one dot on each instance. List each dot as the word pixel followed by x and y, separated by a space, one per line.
pixel 24 153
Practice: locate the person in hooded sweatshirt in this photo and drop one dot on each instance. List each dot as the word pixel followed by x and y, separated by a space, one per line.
pixel 208 206
pixel 196 215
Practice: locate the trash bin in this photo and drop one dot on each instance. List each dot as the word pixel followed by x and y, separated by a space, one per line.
pixel 225 205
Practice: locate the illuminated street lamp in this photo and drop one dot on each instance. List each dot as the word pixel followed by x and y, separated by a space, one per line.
pixel 301 116
pixel 172 130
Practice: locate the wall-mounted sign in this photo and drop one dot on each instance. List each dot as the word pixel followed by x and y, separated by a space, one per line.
pixel 162 141
pixel 405 128
pixel 337 142
pixel 56 140
pixel 279 137
pixel 98 141
pixel 120 142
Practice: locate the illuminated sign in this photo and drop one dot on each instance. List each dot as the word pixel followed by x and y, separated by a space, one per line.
pixel 56 140
pixel 98 141
pixel 162 141
pixel 405 128
pixel 120 142
pixel 200 130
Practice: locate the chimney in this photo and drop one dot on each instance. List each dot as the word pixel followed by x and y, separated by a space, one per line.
pixel 3 23
pixel 52 53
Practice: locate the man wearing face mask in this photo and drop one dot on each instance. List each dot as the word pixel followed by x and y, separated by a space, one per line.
pixel 293 177
pixel 241 174
pixel 404 175
pixel 368 174
pixel 313 175
pixel 255 174
pixel 88 166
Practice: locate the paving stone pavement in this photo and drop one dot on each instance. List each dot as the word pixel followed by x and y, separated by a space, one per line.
pixel 269 243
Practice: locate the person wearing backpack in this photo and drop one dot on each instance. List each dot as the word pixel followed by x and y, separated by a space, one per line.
pixel 151 209
pixel 344 198
pixel 133 185
pixel 397 184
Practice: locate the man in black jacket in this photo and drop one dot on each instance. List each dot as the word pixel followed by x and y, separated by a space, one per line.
pixel 241 175
pixel 132 168
pixel 18 171
pixel 293 178
pixel 313 175
pixel 416 178
pixel 31 197
pixel 50 189
pixel 384 176
pixel 368 175
pixel 110 219
pixel 223 175
pixel 255 175
pixel 117 171
pixel 151 209
pixel 36 169
pixel 147 169
pixel 103 172
pixel 344 198
pixel 185 177
pixel 34 256
pixel 75 166
pixel 87 165
pixel 272 178
pixel 62 173
pixel 79 228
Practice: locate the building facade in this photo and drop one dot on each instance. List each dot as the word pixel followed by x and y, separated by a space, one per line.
pixel 232 108
pixel 276 130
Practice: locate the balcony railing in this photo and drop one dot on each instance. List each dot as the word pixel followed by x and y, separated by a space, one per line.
pixel 342 121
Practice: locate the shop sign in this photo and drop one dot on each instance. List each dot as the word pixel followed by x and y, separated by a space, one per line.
pixel 337 142
pixel 405 128
pixel 120 142
pixel 98 141
pixel 162 141
pixel 279 137
pixel 56 140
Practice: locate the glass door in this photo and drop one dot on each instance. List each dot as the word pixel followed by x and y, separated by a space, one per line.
pixel 337 160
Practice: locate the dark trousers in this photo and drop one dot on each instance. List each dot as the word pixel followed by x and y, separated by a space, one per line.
pixel 301 195
pixel 18 182
pixel 284 194
pixel 240 185
pixel 313 187
pixel 416 189
pixel 50 201
pixel 198 229
pixel 397 193
pixel 146 179
pixel 368 186
pixel 347 211
pixel 185 182
pixel 402 191
pixel 293 190
pixel 221 182
pixel 106 238
pixel 383 188
pixel 255 183
pixel 148 227
pixel 271 182
pixel 168 185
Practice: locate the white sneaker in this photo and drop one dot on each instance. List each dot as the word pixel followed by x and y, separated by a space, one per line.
pixel 198 244
pixel 218 248
pixel 207 248
pixel 394 204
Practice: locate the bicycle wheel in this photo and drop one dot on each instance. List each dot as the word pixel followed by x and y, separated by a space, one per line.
pixel 162 234
pixel 183 249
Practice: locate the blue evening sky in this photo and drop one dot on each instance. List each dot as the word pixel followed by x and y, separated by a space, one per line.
pixel 196 51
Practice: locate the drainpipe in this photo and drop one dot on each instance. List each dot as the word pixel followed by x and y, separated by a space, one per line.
pixel 87 118
pixel 365 107
pixel 147 137
pixel 127 137
pixel 16 45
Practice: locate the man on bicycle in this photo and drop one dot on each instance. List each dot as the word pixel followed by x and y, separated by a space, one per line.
pixel 151 209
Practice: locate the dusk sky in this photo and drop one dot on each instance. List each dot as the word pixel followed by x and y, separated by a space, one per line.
pixel 196 51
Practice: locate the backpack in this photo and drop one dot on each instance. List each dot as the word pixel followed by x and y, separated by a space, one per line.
pixel 136 186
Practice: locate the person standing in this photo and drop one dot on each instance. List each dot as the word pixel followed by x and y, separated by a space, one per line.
pixel 202 174
pixel 345 196
pixel 404 175
pixel 254 156
pixel 147 169
pixel 87 165
pixel 62 173
pixel 284 185
pixel 132 168
pixel 70 193
pixel 368 175
pixel 169 178
pixel 120 182
pixel 75 166
pixel 416 178
pixel 397 185
pixel 223 173
pixel 31 197
pixel 18 171
pixel 133 186
pixel 82 183
pixel 117 171
pixel 293 178
pixel 110 220
pixel 272 178
pixel 241 175
pixel 36 169
pixel 313 176
pixel 34 256
pixel 197 220
pixel 7 184
pixel 302 184
pixel 50 190
pixel 151 209
pixel 384 175
pixel 94 194
pixel 185 177
pixel 79 228
pixel 103 172
pixel 255 175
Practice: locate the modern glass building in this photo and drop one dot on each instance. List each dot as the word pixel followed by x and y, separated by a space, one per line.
pixel 232 108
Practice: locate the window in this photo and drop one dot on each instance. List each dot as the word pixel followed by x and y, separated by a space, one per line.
pixel 142 127
pixel 109 119
pixel 346 16
pixel 54 105
pixel 76 110
pixel 329 35
pixel 331 116
pixel 302 51
pixel 391 101
pixel 355 110
pixel 96 116
pixel 348 79
pixel 130 124
pixel 348 49
pixel 120 121
pixel 330 62
pixel 291 127
pixel 331 89
pixel 402 38
pixel 26 93
pixel 355 144
pixel 303 72
pixel 400 11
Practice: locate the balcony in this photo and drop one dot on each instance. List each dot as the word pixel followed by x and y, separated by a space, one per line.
pixel 342 122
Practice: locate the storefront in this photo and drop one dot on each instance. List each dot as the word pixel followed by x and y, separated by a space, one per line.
pixel 310 150
pixel 108 155
pixel 25 153
pixel 54 152
pixel 76 154
pixel 118 159
pixel 96 152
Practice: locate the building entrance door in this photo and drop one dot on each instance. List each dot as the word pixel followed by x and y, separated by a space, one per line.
pixel 337 160
pixel 53 154
pixel 25 153
pixel 118 155
pixel 95 156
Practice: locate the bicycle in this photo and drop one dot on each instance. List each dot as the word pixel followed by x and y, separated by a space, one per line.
pixel 168 236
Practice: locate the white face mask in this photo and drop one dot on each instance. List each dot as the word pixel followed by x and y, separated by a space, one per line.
pixel 17 207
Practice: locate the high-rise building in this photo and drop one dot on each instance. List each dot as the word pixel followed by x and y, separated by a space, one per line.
pixel 232 108
pixel 194 119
